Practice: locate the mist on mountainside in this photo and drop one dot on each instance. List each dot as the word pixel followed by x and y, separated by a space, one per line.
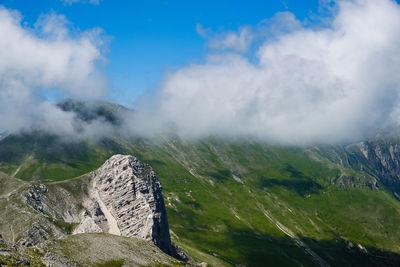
pixel 280 80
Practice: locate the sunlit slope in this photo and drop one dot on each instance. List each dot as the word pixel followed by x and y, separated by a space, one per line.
pixel 251 203
pixel 37 156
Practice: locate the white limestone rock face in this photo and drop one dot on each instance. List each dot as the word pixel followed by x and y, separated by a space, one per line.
pixel 128 194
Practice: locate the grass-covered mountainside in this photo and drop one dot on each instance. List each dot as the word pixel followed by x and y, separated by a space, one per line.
pixel 233 202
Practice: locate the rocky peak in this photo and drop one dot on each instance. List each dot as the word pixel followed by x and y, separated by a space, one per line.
pixel 383 156
pixel 126 195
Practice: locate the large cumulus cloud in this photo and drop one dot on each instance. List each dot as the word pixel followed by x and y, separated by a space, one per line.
pixel 50 56
pixel 334 83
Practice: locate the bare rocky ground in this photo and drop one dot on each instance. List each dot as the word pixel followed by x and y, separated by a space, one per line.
pixel 113 216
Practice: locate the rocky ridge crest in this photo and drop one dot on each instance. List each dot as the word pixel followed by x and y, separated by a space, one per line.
pixel 125 199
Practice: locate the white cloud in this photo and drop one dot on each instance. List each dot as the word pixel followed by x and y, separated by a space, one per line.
pixel 70 2
pixel 232 41
pixel 279 24
pixel 203 32
pixel 47 57
pixel 306 85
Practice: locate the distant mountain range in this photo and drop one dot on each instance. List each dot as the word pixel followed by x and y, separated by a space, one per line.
pixel 89 111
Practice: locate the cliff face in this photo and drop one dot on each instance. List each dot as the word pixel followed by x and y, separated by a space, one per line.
pixel 383 156
pixel 123 197
pixel 128 194
pixel 377 158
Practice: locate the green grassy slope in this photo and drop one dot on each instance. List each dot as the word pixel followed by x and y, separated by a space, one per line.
pixel 253 203
pixel 38 156
pixel 94 249
pixel 244 202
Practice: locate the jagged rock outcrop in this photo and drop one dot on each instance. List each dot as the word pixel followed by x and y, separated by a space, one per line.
pixel 377 158
pixel 123 197
pixel 58 204
pixel 383 155
pixel 34 197
pixel 126 199
pixel 9 255
pixel 348 181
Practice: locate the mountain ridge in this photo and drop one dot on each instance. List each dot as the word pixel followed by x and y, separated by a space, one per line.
pixel 248 202
pixel 55 211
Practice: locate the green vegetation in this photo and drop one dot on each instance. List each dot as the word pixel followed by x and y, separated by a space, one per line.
pixel 210 210
pixel 111 263
pixel 42 157
pixel 101 250
pixel 67 227
pixel 241 202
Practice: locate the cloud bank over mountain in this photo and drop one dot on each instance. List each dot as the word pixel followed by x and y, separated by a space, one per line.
pixel 281 80
pixel 329 84
pixel 49 57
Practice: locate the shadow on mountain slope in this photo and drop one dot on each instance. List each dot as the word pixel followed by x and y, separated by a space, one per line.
pixel 242 246
pixel 301 187
pixel 341 252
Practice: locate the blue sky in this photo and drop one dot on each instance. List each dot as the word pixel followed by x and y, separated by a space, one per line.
pixel 149 38
pixel 229 68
